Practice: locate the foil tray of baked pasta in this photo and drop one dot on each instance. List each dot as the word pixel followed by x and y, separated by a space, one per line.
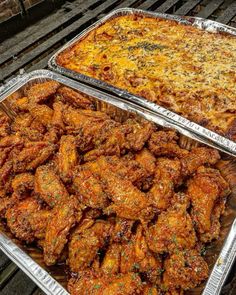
pixel 102 196
pixel 182 68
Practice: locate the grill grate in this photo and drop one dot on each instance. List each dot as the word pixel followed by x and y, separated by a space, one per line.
pixel 31 48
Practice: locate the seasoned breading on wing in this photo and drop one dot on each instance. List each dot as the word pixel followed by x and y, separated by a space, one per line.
pixel 83 118
pixel 197 157
pixel 4 125
pixel 84 246
pixel 4 153
pixel 206 186
pixel 49 186
pixel 57 118
pixel 22 104
pixel 38 222
pixel 115 144
pixel 18 218
pixel 126 284
pixel 122 230
pixel 37 125
pixel 75 98
pixel 151 290
pixel 42 113
pixel 128 201
pixel 68 157
pixel 21 122
pixel 51 136
pixel 130 170
pixel 111 260
pixel 167 175
pixel 214 232
pixel 5 203
pixel 11 140
pixel 88 189
pixel 147 160
pixel 184 269
pixel 136 257
pixel 22 183
pixel 5 174
pixel 63 217
pixel 33 155
pixel 91 283
pixel 164 143
pixel 140 134
pixel 88 283
pixel 173 231
pixel 41 91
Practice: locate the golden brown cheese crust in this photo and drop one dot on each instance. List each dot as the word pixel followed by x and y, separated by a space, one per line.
pixel 189 71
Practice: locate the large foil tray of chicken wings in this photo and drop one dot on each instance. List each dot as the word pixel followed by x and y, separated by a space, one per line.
pixel 100 196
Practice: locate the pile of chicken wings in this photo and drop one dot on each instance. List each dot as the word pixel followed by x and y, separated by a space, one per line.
pixel 121 203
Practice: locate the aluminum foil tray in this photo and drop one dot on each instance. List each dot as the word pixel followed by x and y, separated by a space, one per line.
pixel 52 280
pixel 203 24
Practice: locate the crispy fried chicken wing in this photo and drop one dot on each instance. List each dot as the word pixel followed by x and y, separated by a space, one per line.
pixel 197 157
pixel 68 157
pixel 75 98
pixel 167 175
pixel 18 219
pixel 49 186
pixel 115 144
pixel 164 143
pixel 84 246
pixel 206 186
pixel 57 118
pixel 22 183
pixel 184 269
pixel 42 113
pixel 128 201
pixel 11 140
pixel 63 217
pixel 136 257
pixel 38 222
pixel 147 160
pixel 173 230
pixel 89 190
pixel 83 118
pixel 32 155
pixel 111 261
pixel 41 91
pixel 141 132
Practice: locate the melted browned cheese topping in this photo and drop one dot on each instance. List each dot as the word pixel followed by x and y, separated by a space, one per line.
pixel 189 71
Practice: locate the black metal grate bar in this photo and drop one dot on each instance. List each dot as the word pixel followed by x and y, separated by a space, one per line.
pixel 148 4
pixel 167 5
pixel 228 14
pixel 187 7
pixel 20 283
pixel 210 8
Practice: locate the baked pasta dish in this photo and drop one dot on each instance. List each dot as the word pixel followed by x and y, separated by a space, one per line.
pixel 182 68
pixel 121 203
